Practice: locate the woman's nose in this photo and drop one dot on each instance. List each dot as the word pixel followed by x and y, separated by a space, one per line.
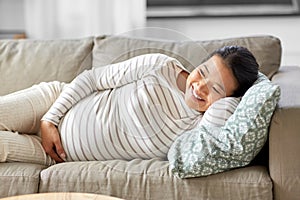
pixel 201 86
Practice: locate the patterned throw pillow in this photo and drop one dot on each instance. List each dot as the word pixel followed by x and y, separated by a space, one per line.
pixel 210 149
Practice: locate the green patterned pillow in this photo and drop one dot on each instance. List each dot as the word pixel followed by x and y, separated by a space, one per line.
pixel 210 149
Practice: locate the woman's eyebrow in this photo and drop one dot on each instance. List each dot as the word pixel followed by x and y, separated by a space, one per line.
pixel 206 68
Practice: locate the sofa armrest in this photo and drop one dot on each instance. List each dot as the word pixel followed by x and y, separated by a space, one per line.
pixel 284 138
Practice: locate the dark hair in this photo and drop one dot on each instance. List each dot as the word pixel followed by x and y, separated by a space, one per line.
pixel 243 65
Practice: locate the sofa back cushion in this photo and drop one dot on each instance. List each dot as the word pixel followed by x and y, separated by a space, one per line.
pixel 27 62
pixel 266 49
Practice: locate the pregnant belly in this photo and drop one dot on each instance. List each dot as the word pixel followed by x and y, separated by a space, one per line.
pixel 79 130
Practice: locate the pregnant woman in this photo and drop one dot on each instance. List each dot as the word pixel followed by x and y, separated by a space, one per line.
pixel 132 109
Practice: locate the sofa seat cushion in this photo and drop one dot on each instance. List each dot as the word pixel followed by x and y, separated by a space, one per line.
pixel 152 179
pixel 19 178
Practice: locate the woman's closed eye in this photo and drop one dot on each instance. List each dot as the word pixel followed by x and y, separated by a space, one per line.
pixel 202 73
pixel 217 90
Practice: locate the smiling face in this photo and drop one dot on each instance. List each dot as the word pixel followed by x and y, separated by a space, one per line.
pixel 209 82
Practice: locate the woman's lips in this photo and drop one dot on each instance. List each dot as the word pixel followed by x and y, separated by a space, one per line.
pixel 195 96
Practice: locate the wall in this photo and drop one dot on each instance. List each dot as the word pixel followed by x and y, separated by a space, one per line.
pixel 57 19
pixel 287 28
pixel 11 15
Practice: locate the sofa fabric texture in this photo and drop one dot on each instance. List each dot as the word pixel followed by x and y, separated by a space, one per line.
pixel 17 179
pixel 27 62
pixel 151 179
pixel 284 136
pixel 267 50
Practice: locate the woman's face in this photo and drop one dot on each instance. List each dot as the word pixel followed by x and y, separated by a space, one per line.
pixel 209 82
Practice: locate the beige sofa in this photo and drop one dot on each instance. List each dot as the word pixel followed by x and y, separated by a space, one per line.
pixel 275 172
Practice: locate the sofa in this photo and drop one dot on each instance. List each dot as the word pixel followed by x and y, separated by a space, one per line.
pixel 273 174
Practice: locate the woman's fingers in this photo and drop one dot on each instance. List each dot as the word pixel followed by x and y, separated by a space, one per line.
pixel 51 141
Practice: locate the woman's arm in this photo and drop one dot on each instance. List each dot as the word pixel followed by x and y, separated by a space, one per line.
pixel 102 78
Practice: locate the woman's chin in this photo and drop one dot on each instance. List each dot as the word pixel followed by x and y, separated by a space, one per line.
pixel 196 105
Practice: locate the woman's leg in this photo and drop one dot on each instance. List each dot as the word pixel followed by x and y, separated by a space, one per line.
pixel 16 147
pixel 21 112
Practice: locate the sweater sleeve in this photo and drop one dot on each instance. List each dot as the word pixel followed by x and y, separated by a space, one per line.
pixel 103 78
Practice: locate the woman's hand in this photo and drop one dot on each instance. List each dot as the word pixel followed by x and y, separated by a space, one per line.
pixel 51 141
